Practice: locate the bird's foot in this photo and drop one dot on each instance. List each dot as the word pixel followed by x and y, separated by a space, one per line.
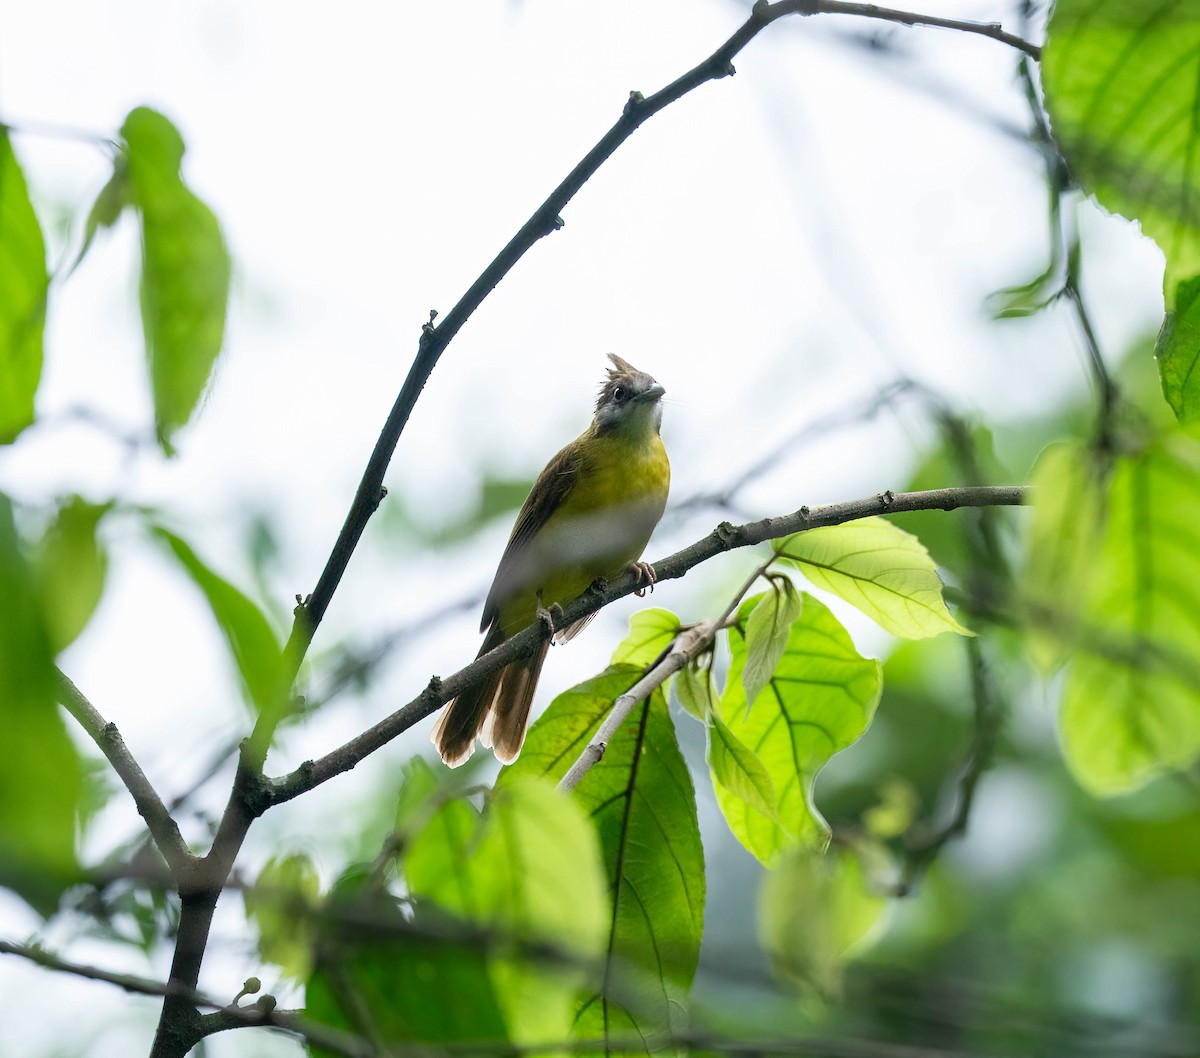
pixel 551 618
pixel 646 577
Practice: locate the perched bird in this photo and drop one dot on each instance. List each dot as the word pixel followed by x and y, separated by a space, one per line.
pixel 589 515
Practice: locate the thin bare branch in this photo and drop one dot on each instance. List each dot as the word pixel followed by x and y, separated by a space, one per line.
pixel 159 821
pixel 724 538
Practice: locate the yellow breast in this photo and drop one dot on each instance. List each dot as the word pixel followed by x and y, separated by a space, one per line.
pixel 601 527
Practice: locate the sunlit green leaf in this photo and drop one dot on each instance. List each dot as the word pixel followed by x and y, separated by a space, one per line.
pixel 737 769
pixel 252 643
pixel 23 283
pixel 1178 353
pixel 530 869
pixel 41 780
pixel 1131 703
pixel 1121 88
pixel 879 568
pixel 813 911
pixel 281 903
pixel 393 978
pixel 185 271
pixel 641 799
pixel 696 690
pixel 650 633
pixel 821 699
pixel 69 570
pixel 767 630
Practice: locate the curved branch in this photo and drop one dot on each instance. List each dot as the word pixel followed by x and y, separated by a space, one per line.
pixel 159 821
pixel 546 219
pixel 724 538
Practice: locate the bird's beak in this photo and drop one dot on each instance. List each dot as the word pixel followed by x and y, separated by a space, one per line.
pixel 653 393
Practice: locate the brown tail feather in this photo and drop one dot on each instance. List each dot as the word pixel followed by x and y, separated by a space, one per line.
pixel 504 728
pixel 461 720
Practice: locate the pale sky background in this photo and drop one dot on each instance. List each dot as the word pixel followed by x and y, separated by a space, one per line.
pixel 773 248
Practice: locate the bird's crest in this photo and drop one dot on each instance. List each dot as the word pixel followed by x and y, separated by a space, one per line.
pixel 622 373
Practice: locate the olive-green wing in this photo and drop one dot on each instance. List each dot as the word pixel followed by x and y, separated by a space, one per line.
pixel 551 489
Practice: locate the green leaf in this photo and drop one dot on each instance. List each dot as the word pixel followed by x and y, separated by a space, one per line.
pixel 1178 353
pixel 641 800
pixel 42 781
pixel 281 904
pixel 814 911
pixel 767 630
pixel 878 567
pixel 1131 702
pixel 185 271
pixel 385 976
pixel 821 698
pixel 650 633
pixel 1121 88
pixel 737 769
pixel 1064 538
pixel 531 870
pixel 252 643
pixel 696 690
pixel 70 568
pixel 24 282
pixel 106 210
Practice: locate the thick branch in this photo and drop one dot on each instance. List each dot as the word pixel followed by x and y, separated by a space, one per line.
pixel 159 821
pixel 724 538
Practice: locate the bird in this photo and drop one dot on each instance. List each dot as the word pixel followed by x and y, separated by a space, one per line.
pixel 588 516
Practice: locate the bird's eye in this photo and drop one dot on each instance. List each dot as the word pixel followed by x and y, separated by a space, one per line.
pixel 619 394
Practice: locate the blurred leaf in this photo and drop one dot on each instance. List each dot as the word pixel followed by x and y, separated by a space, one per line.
pixel 185 271
pixel 767 630
pixel 1178 353
pixel 106 210
pixel 814 910
pixel 737 769
pixel 1064 538
pixel 384 978
pixel 696 689
pixel 24 282
pixel 252 643
pixel 650 633
pixel 1122 92
pixel 1131 703
pixel 69 569
pixel 878 567
pixel 531 869
pixel 820 700
pixel 641 799
pixel 41 782
pixel 280 904
pixel 1027 299
pixel 415 800
pixel 895 811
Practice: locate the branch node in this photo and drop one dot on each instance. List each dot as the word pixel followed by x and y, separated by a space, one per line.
pixel 427 329
pixel 433 689
pixel 635 100
pixel 726 534
pixel 559 223
pixel 887 499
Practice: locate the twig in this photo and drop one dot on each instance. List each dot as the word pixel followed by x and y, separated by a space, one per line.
pixel 159 821
pixel 923 845
pixel 724 538
pixel 992 30
pixel 545 220
pixel 685 647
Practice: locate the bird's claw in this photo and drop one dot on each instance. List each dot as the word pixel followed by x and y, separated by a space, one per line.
pixel 646 577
